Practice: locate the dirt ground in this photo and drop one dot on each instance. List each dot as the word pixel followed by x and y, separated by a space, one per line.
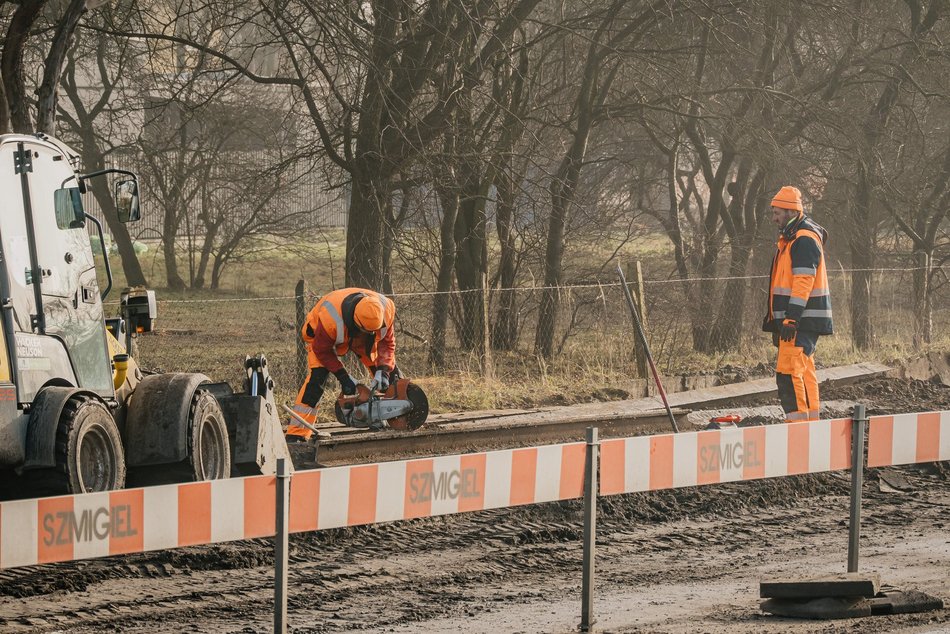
pixel 688 560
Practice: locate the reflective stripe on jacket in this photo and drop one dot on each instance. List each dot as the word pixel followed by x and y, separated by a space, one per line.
pixel 330 327
pixel 798 287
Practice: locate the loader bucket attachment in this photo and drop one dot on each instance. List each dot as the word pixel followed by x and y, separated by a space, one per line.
pixel 257 440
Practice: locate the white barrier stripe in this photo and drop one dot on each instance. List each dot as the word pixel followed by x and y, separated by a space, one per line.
pixel 18 520
pixel 819 446
pixel 547 480
pixel 776 450
pixel 227 510
pixel 904 440
pixel 160 517
pixel 446 483
pixel 497 479
pixel 91 528
pixel 334 497
pixel 391 491
pixel 684 459
pixel 731 447
pixel 637 464
pixel 944 451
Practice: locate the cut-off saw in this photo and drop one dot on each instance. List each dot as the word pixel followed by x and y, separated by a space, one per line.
pixel 403 406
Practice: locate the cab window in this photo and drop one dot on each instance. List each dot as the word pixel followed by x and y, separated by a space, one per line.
pixel 69 211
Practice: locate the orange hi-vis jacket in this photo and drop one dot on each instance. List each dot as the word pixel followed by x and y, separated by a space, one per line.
pixel 799 283
pixel 330 331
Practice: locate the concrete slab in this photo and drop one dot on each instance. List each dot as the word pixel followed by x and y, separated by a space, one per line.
pixel 846 584
pixel 904 602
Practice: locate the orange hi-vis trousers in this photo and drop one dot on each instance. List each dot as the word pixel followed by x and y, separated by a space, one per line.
pixel 796 378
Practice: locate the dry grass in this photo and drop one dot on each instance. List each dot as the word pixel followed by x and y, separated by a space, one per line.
pixel 210 332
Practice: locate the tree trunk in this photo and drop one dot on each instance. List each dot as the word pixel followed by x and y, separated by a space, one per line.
pixel 440 304
pixel 48 91
pixel 861 239
pixel 11 66
pixel 169 248
pixel 554 254
pixel 727 331
pixel 505 329
pixel 923 299
pixel 364 232
pixel 470 263
pixel 131 267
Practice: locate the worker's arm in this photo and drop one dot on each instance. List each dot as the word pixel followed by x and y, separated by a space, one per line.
pixel 324 347
pixel 386 350
pixel 806 256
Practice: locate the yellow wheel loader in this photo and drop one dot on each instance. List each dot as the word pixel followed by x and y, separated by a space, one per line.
pixel 76 412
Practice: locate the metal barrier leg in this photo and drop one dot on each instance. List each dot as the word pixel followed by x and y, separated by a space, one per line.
pixel 590 530
pixel 857 483
pixel 281 547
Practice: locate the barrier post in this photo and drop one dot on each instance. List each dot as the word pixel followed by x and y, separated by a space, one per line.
pixel 281 547
pixel 590 530
pixel 857 483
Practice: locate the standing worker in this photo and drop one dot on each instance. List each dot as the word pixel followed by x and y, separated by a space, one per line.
pixel 349 319
pixel 799 304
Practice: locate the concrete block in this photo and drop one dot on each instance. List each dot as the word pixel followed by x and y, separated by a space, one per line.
pixel 824 608
pixel 847 584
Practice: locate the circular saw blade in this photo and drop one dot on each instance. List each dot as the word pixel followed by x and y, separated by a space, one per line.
pixel 420 407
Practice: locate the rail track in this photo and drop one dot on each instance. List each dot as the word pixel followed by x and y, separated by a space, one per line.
pixel 500 429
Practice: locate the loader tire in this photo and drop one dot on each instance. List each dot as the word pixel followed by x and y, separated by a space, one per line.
pixel 89 455
pixel 209 450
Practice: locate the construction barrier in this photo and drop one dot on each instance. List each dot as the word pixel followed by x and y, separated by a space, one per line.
pixel 75 527
pixel 908 439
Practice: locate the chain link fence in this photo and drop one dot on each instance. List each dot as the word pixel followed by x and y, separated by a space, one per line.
pixel 592 334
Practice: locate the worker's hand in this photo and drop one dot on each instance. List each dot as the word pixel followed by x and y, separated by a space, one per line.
pixel 789 330
pixel 382 379
pixel 347 384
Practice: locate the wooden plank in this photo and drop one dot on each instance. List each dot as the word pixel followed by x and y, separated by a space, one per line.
pixel 846 584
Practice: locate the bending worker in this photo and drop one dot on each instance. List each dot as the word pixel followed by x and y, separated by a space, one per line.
pixel 799 304
pixel 349 319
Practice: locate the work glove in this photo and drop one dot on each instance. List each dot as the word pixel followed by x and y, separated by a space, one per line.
pixel 347 384
pixel 382 379
pixel 788 330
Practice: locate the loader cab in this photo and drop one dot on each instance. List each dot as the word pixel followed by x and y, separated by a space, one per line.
pixel 52 310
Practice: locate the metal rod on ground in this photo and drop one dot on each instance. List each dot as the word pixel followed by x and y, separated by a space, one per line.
pixel 281 547
pixel 857 483
pixel 646 346
pixel 297 417
pixel 301 314
pixel 590 530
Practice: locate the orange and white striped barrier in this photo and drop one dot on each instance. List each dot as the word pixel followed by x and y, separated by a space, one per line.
pixel 908 438
pixel 652 463
pixel 135 520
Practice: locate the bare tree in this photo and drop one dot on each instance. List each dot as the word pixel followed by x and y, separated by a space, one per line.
pixel 16 105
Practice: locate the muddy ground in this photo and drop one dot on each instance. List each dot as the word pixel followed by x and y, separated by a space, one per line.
pixel 677 561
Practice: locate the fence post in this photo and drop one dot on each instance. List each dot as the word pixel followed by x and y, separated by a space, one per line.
pixel 635 271
pixel 857 483
pixel 281 547
pixel 590 530
pixel 301 308
pixel 485 334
